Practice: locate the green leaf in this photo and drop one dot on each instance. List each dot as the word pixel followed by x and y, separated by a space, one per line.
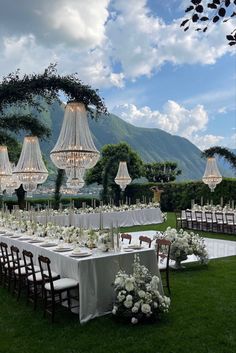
pixel 195 18
pixel 222 12
pixel 215 19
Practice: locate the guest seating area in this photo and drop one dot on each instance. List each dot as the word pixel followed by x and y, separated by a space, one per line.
pixel 36 281
pixel 207 221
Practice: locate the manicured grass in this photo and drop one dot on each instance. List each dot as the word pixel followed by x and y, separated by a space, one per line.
pixel 201 320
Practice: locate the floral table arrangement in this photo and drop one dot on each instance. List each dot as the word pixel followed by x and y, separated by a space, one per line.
pixel 184 243
pixel 138 297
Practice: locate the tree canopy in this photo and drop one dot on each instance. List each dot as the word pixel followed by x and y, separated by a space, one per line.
pixel 106 169
pixel 161 171
pixel 202 13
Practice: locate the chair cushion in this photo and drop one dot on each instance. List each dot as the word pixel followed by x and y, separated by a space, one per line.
pixel 39 276
pixel 63 283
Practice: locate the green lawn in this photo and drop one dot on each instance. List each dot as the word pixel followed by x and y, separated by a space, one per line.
pixel 201 320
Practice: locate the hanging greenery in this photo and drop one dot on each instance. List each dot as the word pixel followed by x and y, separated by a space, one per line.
pixel 225 153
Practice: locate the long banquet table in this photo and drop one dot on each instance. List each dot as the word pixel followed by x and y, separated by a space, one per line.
pixel 95 273
pixel 105 219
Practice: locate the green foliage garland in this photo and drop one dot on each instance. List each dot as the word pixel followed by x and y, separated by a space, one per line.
pixel 222 152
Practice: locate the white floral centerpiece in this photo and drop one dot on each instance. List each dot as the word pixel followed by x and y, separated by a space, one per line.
pixel 185 243
pixel 137 295
pixel 105 241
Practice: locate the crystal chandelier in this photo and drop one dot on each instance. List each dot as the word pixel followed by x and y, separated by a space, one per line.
pixel 10 184
pixel 75 179
pixel 75 147
pixel 5 167
pixel 30 170
pixel 212 176
pixel 122 178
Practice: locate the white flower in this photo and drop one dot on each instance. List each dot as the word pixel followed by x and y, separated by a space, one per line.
pixel 134 320
pixel 114 311
pixel 120 297
pixel 134 309
pixel 129 285
pixel 128 304
pixel 129 297
pixel 141 294
pixel 145 308
pixel 155 305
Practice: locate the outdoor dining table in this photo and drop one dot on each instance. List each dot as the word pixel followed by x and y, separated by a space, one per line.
pixel 98 220
pixel 95 273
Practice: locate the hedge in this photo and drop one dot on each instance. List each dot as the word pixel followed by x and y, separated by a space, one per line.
pixel 177 196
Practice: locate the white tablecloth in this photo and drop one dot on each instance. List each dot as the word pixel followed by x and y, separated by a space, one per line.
pixel 95 273
pixel 105 219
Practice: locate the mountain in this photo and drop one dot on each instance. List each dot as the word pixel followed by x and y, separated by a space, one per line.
pixel 151 144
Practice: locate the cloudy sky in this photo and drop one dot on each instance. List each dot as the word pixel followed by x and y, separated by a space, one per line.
pixel 150 72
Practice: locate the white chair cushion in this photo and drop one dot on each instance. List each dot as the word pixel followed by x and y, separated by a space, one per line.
pixel 61 284
pixel 39 276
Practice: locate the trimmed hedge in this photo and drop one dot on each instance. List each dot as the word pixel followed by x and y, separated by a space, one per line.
pixel 178 196
pixel 65 201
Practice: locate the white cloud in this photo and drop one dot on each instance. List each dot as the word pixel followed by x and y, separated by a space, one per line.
pixel 149 42
pixel 92 37
pixel 208 140
pixel 175 119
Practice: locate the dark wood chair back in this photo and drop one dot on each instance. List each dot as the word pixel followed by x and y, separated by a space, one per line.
pixel 230 218
pixel 45 269
pixel 145 239
pixel 15 253
pixel 29 264
pixel 126 236
pixel 198 216
pixel 163 253
pixel 163 250
pixel 209 216
pixel 5 254
pixel 219 217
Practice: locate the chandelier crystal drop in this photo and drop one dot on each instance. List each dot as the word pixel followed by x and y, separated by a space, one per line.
pixel 212 176
pixel 75 179
pixel 5 167
pixel 30 169
pixel 122 178
pixel 75 147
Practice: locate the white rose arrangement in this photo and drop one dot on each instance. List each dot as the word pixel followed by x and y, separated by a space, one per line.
pixel 137 295
pixel 185 243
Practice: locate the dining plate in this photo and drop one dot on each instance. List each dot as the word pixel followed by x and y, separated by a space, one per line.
pixel 81 254
pixel 135 247
pixel 9 234
pixel 34 241
pixel 47 245
pixel 62 249
pixel 25 238
pixel 128 250
pixel 15 236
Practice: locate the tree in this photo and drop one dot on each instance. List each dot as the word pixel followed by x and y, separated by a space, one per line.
pixel 161 172
pixel 213 11
pixel 225 153
pixel 106 169
pixel 19 93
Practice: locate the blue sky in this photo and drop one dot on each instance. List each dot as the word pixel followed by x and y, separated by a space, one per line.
pixel 149 71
